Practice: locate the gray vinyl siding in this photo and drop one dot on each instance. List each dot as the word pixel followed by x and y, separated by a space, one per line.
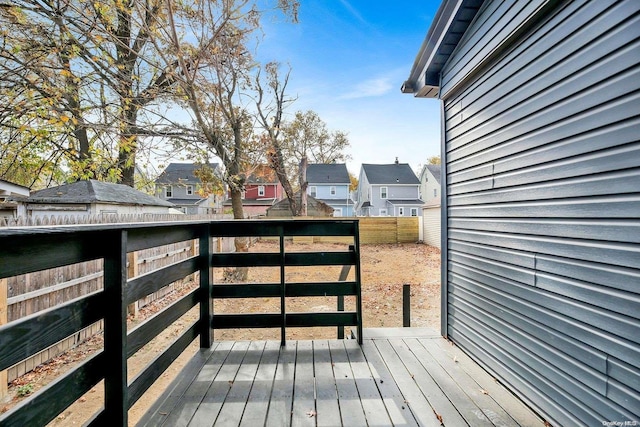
pixel 542 160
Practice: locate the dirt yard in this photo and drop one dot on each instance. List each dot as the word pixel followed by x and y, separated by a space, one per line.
pixel 384 269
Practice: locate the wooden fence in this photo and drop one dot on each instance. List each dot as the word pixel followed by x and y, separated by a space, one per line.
pixel 376 230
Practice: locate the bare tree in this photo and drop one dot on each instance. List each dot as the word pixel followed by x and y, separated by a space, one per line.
pixel 270 104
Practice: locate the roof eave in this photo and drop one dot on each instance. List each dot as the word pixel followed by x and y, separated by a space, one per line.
pixel 451 21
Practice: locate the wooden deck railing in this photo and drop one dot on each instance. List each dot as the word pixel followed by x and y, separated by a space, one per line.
pixel 24 250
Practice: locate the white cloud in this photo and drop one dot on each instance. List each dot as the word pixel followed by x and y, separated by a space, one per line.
pixel 372 87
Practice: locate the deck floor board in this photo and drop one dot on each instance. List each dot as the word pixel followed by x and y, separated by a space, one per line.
pixel 397 377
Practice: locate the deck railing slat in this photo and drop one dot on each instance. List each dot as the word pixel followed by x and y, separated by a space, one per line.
pixel 150 329
pixel 22 339
pixel 151 282
pixel 151 373
pixel 56 396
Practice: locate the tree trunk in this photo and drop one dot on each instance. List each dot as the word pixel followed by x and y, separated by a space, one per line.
pixel 276 161
pixel 128 145
pixel 302 177
pixel 238 274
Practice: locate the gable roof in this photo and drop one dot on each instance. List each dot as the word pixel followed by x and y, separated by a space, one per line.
pixel 92 191
pixel 395 173
pixel 313 204
pixel 182 173
pixel 332 173
pixel 435 171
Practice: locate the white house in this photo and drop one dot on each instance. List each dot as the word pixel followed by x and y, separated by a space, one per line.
pixel 10 197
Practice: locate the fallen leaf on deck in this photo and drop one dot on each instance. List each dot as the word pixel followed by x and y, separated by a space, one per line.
pixel 311 413
pixel 483 391
pixel 438 416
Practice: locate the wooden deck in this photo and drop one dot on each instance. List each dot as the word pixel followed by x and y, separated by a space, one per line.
pixel 402 377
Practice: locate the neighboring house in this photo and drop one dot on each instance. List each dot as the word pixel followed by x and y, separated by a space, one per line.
pixel 11 198
pixel 315 208
pixel 430 184
pixel 430 192
pixel 91 197
pixel 261 190
pixel 541 230
pixel 388 190
pixel 330 183
pixel 178 184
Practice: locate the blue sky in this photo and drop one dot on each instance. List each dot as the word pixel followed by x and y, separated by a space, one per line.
pixel 349 59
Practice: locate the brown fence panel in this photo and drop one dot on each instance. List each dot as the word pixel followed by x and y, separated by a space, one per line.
pixel 408 229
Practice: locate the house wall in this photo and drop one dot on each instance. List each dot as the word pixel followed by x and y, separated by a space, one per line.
pixel 542 155
pixel 363 193
pixel 345 210
pixel 323 191
pixel 431 225
pixel 270 191
pixel 75 210
pixel 429 187
pixel 397 192
pixel 179 191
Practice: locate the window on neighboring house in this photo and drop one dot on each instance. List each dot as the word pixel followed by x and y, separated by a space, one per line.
pixel 414 211
pixel 401 211
pixel 189 190
pixel 242 195
pixel 332 190
pixel 313 191
pixel 435 192
pixel 337 212
pixel 383 192
pixel 383 212
pixel 261 190
pixel 168 191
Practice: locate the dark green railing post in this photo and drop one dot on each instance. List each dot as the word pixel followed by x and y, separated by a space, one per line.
pixel 283 293
pixel 116 396
pixel 356 242
pixel 206 302
pixel 344 273
pixel 406 306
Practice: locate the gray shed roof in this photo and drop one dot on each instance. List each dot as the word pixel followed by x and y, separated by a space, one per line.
pixel 332 173
pixel 93 191
pixel 182 173
pixel 406 202
pixel 395 173
pixel 338 201
pixel 185 202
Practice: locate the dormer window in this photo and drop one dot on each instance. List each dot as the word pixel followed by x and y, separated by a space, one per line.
pixel 189 190
pixel 168 191
pixel 261 190
pixel 332 190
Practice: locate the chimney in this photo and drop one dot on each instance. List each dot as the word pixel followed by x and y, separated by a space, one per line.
pixel 397 161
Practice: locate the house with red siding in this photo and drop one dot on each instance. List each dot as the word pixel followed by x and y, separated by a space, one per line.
pixel 261 191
